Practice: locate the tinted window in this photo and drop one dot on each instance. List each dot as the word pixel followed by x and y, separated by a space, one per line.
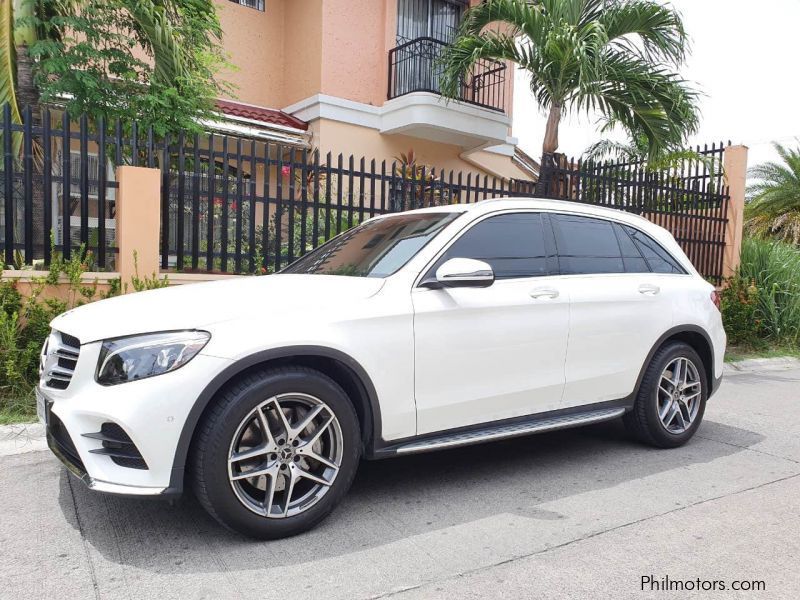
pixel 512 244
pixel 660 260
pixel 376 248
pixel 586 245
pixel 631 257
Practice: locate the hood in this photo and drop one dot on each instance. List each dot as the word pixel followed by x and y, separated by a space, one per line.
pixel 194 306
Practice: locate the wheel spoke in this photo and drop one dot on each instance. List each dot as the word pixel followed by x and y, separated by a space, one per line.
pixel 671 415
pixel 270 492
pixel 687 372
pixel 312 414
pixel 306 475
pixel 682 421
pixel 264 424
pixel 252 473
pixel 663 413
pixel 319 431
pixel 287 428
pixel 677 374
pixel 309 453
pixel 290 480
pixel 251 453
pixel 691 396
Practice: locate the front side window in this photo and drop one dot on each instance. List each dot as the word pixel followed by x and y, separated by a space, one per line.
pixel 377 248
pixel 512 244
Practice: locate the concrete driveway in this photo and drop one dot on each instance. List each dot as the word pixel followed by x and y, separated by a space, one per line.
pixel 577 514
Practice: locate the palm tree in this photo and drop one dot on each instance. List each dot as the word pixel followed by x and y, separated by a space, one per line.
pixel 773 199
pixel 611 57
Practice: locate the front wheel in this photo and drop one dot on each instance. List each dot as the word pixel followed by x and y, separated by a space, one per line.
pixel 672 397
pixel 277 452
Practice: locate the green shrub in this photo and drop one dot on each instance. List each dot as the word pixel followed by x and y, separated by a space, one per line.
pixel 761 303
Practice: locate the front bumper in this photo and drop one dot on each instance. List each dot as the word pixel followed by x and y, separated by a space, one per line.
pixel 149 413
pixel 77 469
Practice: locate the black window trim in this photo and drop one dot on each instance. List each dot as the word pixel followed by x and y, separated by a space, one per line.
pixel 553 261
pixel 622 225
pixel 424 274
pixel 657 243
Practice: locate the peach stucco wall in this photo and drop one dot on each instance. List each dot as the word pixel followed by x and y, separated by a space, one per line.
pixel 355 49
pixel 253 41
pixel 298 48
pixel 336 137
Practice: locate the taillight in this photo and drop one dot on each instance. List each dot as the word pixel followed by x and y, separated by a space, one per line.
pixel 716 299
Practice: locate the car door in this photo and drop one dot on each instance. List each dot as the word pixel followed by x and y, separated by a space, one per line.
pixel 618 307
pixel 485 354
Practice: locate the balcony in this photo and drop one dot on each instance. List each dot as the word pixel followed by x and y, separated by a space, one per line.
pixel 414 67
pixel 476 118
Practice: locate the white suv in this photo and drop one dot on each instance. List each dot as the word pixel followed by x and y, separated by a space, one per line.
pixel 428 329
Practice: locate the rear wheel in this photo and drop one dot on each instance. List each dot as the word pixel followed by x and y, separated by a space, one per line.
pixel 672 397
pixel 277 452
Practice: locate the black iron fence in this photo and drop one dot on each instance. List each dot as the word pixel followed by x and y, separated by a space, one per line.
pixel 232 205
pixel 58 188
pixel 242 206
pixel 686 195
pixel 414 66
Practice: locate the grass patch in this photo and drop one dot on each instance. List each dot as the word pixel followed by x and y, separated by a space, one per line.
pixel 17 409
pixel 739 353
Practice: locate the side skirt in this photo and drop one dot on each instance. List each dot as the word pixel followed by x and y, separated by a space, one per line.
pixel 489 432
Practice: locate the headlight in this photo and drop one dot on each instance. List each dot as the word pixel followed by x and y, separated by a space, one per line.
pixel 142 356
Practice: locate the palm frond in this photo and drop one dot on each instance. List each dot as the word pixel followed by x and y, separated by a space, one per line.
pixel 8 69
pixel 153 21
pixel 640 26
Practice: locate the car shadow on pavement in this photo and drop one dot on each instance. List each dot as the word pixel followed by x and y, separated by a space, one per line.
pixel 392 499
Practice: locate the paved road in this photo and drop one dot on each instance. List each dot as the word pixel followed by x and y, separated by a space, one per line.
pixel 576 514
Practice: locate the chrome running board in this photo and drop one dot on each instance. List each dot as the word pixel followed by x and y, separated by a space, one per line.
pixel 501 432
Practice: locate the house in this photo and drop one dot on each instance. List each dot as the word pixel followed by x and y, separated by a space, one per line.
pixel 361 77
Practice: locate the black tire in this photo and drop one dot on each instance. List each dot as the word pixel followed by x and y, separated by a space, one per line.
pixel 643 421
pixel 212 442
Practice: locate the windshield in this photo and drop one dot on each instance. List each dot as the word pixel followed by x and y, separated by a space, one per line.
pixel 377 248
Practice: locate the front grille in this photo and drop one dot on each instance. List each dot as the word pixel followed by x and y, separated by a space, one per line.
pixel 59 359
pixel 118 446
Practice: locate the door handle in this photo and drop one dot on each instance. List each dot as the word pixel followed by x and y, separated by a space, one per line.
pixel 648 289
pixel 543 293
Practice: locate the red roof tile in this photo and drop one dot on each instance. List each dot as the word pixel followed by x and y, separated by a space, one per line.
pixel 257 113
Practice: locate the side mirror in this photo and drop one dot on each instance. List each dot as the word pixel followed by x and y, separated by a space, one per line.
pixel 464 272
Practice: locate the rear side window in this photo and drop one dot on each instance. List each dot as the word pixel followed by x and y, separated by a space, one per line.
pixel 513 244
pixel 659 260
pixel 586 245
pixel 631 257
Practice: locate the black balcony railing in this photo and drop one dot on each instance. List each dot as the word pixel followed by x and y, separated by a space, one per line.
pixel 416 67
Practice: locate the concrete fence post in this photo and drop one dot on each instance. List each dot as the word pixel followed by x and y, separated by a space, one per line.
pixel 138 222
pixel 734 163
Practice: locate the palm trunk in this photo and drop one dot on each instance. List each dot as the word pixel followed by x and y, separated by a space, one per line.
pixel 549 147
pixel 28 97
pixel 27 92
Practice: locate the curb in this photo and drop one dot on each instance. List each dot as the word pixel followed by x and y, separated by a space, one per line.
pixel 756 365
pixel 21 438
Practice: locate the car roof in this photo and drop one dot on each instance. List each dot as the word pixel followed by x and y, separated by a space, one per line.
pixel 495 204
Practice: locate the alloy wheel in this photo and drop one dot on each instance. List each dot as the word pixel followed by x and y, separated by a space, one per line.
pixel 285 455
pixel 679 395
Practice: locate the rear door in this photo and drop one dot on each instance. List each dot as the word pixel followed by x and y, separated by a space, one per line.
pixel 618 307
pixel 485 354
